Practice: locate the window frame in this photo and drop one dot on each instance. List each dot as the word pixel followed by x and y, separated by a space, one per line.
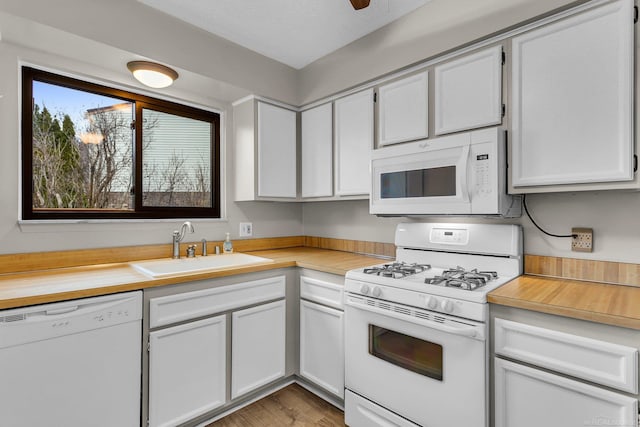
pixel 29 75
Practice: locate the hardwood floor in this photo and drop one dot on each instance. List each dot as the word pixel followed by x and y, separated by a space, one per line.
pixel 291 406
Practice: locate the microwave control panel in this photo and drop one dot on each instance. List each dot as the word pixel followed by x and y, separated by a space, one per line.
pixel 482 166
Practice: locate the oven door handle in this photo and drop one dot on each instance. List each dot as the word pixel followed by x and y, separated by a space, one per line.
pixel 470 331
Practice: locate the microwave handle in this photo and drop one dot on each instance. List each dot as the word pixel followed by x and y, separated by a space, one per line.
pixel 464 183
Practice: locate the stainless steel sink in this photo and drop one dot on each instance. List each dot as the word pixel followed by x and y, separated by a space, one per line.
pixel 170 267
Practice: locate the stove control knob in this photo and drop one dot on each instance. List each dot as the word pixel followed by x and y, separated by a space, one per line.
pixel 364 289
pixel 431 302
pixel 376 292
pixel 447 306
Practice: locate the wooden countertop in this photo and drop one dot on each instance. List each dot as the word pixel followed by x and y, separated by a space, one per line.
pixel 616 305
pixel 38 287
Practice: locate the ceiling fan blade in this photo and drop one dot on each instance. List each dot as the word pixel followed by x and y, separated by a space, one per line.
pixel 359 4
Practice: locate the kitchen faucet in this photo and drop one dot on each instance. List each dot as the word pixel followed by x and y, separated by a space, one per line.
pixel 178 236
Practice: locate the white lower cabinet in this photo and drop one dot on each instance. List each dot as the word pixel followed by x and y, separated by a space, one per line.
pixel 199 338
pixel 258 346
pixel 322 346
pixel 322 332
pixel 551 358
pixel 187 371
pixel 528 397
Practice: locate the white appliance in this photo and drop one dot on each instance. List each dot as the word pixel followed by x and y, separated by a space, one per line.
pixel 416 350
pixel 72 364
pixel 461 174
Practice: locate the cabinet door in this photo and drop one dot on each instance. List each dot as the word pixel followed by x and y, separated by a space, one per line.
pixel 276 151
pixel 572 100
pixel 527 397
pixel 353 119
pixel 469 92
pixel 403 110
pixel 317 151
pixel 187 371
pixel 321 346
pixel 258 347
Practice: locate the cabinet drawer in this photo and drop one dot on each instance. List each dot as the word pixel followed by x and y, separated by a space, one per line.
pixel 321 292
pixel 527 397
pixel 598 361
pixel 359 412
pixel 190 305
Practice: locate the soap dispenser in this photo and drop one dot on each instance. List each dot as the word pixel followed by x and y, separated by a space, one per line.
pixel 227 246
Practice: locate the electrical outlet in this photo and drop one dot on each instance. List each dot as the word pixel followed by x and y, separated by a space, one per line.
pixel 246 229
pixel 582 240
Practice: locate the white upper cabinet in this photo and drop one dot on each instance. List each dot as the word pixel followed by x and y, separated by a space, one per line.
pixel 264 151
pixel 572 102
pixel 468 92
pixel 403 109
pixel 276 151
pixel 317 151
pixel 353 120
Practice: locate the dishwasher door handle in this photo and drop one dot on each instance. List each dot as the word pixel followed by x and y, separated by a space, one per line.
pixel 62 310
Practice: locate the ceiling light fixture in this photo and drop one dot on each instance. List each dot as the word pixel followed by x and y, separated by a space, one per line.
pixel 151 74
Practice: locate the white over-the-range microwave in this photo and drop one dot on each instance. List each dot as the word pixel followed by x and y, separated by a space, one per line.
pixel 460 174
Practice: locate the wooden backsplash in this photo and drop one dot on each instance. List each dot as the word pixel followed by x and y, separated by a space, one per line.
pixel 357 246
pixel 583 269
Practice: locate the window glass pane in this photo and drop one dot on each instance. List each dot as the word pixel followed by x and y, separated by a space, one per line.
pixel 176 161
pixel 82 150
pixel 414 354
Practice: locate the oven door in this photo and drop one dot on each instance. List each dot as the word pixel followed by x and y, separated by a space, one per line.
pixel 426 367
pixel 426 177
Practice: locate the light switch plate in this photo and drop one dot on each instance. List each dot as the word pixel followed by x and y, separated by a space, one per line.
pixel 246 229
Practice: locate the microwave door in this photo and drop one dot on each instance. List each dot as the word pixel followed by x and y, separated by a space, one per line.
pixel 428 182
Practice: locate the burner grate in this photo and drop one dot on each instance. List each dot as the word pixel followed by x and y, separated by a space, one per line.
pixel 461 278
pixel 397 270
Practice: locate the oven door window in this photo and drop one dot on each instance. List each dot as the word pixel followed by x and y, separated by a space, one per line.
pixel 422 357
pixel 430 182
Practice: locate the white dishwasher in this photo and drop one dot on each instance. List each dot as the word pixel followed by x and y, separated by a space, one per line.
pixel 74 363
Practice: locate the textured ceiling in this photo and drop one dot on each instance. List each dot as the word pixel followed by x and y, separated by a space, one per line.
pixel 294 32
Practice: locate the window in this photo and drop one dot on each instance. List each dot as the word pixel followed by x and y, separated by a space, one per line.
pixel 94 152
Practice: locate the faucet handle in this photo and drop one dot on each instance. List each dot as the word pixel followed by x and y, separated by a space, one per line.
pixel 191 251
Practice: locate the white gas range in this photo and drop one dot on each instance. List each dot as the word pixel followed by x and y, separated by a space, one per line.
pixel 416 351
